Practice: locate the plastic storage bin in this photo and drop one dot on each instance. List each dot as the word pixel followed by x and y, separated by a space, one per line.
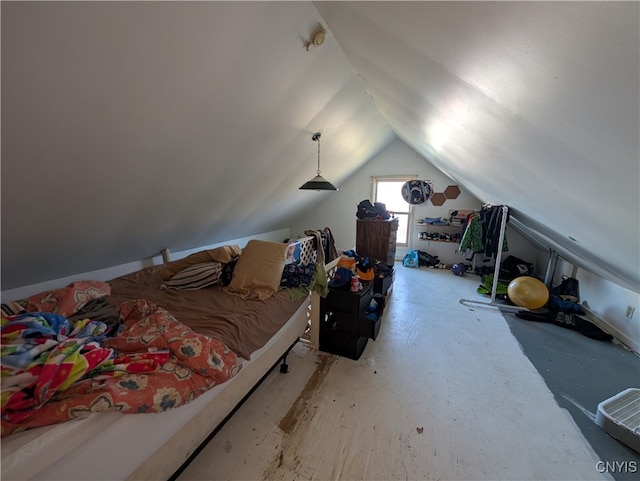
pixel 619 416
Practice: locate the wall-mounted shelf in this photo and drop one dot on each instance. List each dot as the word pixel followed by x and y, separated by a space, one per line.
pixel 439 232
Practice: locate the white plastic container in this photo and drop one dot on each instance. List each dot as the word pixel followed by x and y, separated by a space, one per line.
pixel 619 416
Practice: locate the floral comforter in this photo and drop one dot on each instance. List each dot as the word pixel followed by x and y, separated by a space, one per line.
pixel 54 370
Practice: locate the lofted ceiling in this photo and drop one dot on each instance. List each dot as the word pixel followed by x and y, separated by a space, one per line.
pixel 127 127
pixel 530 104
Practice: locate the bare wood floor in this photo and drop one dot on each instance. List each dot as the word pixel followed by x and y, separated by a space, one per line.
pixel 445 392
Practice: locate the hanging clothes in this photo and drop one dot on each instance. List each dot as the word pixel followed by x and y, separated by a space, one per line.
pixel 482 233
pixel 492 220
pixel 473 235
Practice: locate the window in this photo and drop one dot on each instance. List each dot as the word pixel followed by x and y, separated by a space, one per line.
pixel 388 191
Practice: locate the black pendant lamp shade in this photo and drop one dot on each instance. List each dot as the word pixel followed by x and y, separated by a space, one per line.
pixel 318 182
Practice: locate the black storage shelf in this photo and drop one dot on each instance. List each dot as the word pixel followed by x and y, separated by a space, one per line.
pixel 342 343
pixel 367 324
pixel 349 322
pixel 370 327
pixel 381 285
pixel 350 303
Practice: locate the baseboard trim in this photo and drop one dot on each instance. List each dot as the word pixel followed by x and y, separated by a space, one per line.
pixel 618 335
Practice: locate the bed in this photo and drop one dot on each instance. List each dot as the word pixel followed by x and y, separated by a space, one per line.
pixel 114 445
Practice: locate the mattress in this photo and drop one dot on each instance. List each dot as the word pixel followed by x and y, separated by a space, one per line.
pixel 111 446
pixel 244 325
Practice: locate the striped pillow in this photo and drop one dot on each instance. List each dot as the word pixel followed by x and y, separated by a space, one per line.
pixel 196 276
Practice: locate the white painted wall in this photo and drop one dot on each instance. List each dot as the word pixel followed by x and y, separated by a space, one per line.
pixel 608 301
pixel 337 209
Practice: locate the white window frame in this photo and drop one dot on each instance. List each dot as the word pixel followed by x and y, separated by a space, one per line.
pixel 375 179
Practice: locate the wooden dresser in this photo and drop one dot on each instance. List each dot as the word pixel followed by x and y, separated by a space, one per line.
pixel 376 238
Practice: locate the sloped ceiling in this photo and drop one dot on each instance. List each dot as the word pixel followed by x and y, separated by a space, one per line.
pixel 530 104
pixel 127 127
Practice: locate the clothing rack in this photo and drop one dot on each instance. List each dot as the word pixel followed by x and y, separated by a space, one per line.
pixel 496 271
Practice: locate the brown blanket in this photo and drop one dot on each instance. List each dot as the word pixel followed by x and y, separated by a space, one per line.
pixel 244 325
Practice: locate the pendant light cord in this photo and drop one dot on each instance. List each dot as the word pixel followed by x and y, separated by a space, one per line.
pixel 316 137
pixel 318 154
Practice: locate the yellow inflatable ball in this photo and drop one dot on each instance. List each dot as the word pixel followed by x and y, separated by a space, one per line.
pixel 528 292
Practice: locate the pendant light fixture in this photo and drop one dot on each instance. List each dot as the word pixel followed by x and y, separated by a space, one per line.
pixel 318 182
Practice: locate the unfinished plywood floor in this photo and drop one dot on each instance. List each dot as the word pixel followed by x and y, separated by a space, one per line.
pixel 445 392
